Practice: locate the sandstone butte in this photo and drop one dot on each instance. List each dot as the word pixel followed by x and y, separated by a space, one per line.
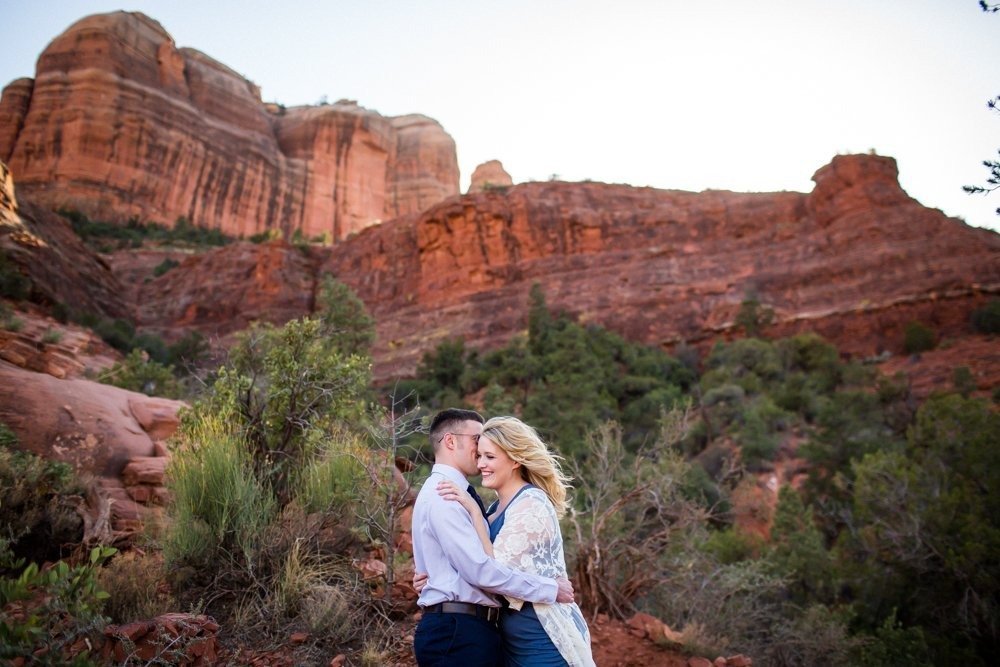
pixel 119 122
pixel 855 260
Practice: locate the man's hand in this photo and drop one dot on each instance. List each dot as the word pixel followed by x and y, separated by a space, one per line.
pixel 565 592
pixel 420 580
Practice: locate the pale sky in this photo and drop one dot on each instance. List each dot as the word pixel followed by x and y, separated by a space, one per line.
pixel 679 94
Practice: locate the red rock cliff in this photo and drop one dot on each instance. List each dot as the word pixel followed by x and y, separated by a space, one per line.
pixel 855 260
pixel 119 122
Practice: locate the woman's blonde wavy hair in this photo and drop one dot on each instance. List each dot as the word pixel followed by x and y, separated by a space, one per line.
pixel 539 466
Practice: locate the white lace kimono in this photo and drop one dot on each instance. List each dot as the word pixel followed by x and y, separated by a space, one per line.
pixel 530 540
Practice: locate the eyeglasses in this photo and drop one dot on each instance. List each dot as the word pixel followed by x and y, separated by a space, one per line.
pixel 474 436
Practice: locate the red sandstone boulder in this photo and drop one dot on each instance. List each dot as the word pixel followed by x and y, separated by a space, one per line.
pixel 119 122
pixel 93 427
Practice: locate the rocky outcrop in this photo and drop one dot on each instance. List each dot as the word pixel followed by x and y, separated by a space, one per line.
pixel 855 261
pixel 224 290
pixel 119 122
pixel 117 436
pixel 489 175
pixel 57 266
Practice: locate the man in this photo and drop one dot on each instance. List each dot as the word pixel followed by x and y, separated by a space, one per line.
pixel 459 621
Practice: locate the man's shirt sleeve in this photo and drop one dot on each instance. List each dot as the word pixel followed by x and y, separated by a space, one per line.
pixel 453 528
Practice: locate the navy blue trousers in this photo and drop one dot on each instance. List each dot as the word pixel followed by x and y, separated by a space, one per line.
pixel 455 640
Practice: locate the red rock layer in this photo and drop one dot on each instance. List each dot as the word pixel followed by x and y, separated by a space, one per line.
pixel 855 261
pixel 42 247
pixel 119 122
pixel 224 290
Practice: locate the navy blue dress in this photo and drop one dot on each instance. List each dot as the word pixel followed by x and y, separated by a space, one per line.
pixel 525 642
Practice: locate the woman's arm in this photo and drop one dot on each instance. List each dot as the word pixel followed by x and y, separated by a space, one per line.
pixel 450 491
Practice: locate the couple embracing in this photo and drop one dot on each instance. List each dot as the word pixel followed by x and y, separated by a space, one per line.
pixel 495 591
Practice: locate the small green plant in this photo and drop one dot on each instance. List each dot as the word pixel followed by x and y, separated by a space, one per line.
pixel 918 338
pixel 109 236
pixel 987 319
pixel 37 503
pixel 52 336
pixel 963 381
pixel 753 317
pixel 12 323
pixel 265 236
pixel 46 613
pixel 165 266
pixel 137 372
pixel 133 584
pixel 13 284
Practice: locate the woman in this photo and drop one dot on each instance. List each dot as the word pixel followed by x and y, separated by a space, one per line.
pixel 524 534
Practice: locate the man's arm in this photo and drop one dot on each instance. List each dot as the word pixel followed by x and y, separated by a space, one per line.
pixel 453 528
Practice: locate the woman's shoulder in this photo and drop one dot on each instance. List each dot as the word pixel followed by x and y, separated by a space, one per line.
pixel 532 498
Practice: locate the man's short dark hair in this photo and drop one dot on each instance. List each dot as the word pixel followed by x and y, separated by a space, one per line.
pixel 448 419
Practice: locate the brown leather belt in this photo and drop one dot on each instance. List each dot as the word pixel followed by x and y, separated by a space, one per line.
pixel 491 614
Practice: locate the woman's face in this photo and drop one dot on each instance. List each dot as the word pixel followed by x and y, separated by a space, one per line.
pixel 496 467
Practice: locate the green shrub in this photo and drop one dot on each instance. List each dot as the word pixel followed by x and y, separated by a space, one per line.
pixel 164 266
pixel 52 336
pixel 118 333
pixel 133 582
pixel 987 319
pixel 57 609
pixel 13 284
pixel 329 482
pixel 893 645
pixel 927 520
pixel 11 323
pixel 918 338
pixel 220 508
pixel 189 351
pixel 265 236
pixel 38 499
pixel 753 317
pixel 344 317
pixel 963 381
pixel 107 236
pixel 731 546
pixel 137 372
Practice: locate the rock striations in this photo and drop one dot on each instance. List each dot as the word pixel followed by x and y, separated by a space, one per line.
pixel 119 122
pixel 856 260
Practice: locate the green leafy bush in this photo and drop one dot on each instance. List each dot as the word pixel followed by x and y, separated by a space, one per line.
pixel 13 284
pixel 38 500
pixel 918 338
pixel 987 319
pixel 137 372
pixel 108 236
pixel 164 266
pixel 220 507
pixel 563 378
pixel 927 522
pixel 43 614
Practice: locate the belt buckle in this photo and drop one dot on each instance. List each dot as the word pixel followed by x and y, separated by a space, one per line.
pixel 492 614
